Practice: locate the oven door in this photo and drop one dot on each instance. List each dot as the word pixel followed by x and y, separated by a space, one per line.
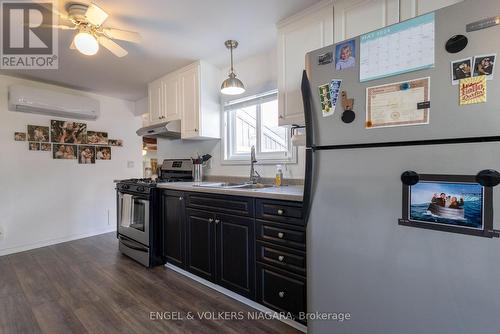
pixel 133 217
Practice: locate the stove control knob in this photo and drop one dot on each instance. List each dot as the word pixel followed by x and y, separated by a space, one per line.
pixel 140 189
pixel 125 186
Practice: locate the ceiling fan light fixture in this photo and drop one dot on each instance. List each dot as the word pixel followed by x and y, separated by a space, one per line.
pixel 232 85
pixel 86 43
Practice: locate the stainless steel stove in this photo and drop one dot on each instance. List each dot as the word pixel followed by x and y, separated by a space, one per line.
pixel 139 226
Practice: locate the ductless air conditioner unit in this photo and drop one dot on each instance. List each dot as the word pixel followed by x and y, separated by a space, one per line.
pixel 50 103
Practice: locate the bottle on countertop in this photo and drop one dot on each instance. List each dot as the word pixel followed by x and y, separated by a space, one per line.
pixel 278 181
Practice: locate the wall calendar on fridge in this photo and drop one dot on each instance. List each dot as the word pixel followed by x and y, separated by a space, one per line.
pixel 398 49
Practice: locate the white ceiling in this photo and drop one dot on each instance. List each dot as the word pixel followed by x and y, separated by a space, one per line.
pixel 175 33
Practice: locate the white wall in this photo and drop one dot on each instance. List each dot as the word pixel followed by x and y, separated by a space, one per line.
pixel 45 201
pixel 258 73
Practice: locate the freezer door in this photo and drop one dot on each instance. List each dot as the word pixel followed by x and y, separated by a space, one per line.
pixel 392 278
pixel 447 118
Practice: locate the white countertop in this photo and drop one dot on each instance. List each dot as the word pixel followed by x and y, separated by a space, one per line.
pixel 285 193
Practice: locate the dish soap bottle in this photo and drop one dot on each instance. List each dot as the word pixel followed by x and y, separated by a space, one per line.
pixel 278 181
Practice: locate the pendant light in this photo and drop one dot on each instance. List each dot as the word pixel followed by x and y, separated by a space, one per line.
pixel 232 85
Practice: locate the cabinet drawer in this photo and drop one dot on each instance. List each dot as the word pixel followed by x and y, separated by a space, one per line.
pixel 281 291
pixel 281 234
pixel 290 212
pixel 242 206
pixel 282 257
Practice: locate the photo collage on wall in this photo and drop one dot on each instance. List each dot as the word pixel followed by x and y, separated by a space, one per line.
pixel 69 140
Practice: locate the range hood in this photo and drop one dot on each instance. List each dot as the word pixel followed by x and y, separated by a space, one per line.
pixel 170 130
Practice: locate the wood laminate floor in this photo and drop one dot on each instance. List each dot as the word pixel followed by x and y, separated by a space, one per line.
pixel 87 286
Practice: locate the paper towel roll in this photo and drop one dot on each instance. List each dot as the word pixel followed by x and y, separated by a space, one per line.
pixel 299 140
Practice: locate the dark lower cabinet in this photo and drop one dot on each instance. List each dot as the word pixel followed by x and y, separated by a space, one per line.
pixel 220 248
pixel 200 242
pixel 235 254
pixel 281 290
pixel 174 227
pixel 281 256
pixel 218 238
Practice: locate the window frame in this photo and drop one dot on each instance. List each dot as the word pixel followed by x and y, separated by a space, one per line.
pixel 229 134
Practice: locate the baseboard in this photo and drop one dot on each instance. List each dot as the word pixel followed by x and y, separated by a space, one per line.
pixel 237 297
pixel 45 243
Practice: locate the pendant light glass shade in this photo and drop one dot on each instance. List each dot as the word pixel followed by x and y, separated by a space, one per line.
pixel 232 85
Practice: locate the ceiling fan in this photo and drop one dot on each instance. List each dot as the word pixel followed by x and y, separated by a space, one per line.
pixel 88 20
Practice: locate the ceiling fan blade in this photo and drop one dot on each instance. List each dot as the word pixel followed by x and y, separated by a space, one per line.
pixel 123 35
pixel 112 46
pixel 96 15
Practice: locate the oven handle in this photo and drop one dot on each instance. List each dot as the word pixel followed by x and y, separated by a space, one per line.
pixel 131 245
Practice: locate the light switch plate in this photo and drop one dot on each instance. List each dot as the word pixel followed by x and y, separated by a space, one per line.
pixel 130 164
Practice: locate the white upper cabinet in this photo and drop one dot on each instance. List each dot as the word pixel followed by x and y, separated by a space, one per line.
pixel 412 8
pixel 356 17
pixel 171 89
pixel 297 35
pixel 156 101
pixel 199 101
pixel 191 95
pixel 163 99
pixel 190 102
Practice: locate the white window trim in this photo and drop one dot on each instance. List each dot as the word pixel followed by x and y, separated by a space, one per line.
pixel 244 159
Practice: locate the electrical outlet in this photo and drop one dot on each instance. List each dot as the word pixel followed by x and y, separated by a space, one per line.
pixel 2 233
pixel 130 164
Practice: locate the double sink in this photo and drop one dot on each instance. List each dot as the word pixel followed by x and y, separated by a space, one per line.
pixel 231 185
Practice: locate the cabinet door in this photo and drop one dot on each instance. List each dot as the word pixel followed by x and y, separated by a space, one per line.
pixel 156 101
pixel 201 244
pixel 356 17
pixel 412 8
pixel 174 227
pixel 190 103
pixel 295 39
pixel 235 254
pixel 281 290
pixel 172 109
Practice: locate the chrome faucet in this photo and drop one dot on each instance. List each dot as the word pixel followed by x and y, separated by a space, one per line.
pixel 254 175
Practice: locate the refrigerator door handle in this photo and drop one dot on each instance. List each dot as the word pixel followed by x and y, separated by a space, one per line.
pixel 309 168
pixel 308 183
pixel 308 116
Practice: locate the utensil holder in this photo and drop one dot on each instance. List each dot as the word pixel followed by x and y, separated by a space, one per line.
pixel 197 173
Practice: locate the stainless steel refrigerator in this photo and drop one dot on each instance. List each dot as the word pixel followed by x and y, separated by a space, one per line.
pixel 392 278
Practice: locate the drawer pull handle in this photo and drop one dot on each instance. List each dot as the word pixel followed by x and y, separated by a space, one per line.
pixel 181 198
pixel 281 235
pixel 210 220
pixel 281 294
pixel 281 258
pixel 217 221
pixel 280 212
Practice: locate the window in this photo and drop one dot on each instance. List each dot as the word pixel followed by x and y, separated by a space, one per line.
pixel 254 122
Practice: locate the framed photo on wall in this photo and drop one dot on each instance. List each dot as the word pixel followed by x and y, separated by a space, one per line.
pixel 450 203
